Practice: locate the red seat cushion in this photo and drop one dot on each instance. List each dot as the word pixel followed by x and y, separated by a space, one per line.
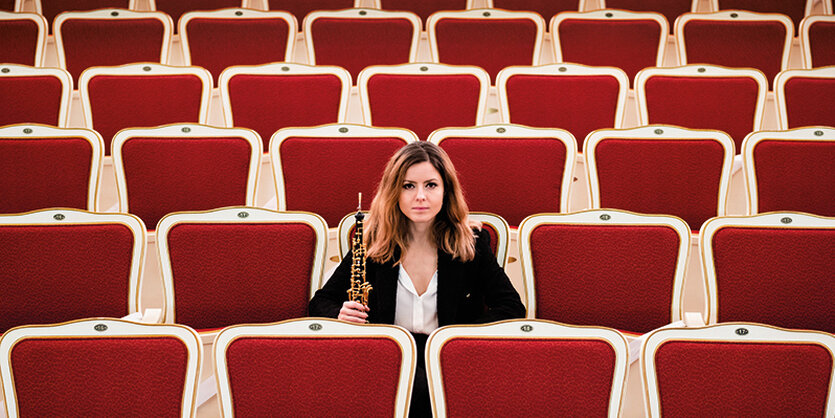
pixel 795 176
pixel 30 99
pixel 822 43
pixel 18 41
pixel 546 8
pixel 809 101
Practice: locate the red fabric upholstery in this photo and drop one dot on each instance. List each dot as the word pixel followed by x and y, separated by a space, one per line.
pixel 300 8
pixel 727 104
pixel 795 9
pixel 106 42
pixel 40 173
pixel 795 176
pixel 546 8
pixel 423 8
pixel 423 103
pixel 515 377
pixel 165 175
pixel 630 45
pixel 613 276
pixel 756 44
pixel 7 5
pixel 120 102
pixel 680 177
pixel 137 376
pixel 736 379
pixel 51 8
pixel 511 177
pixel 494 237
pixel 226 274
pixel 822 43
pixel 176 8
pixel 30 99
pixel 779 277
pixel 18 41
pixel 284 374
pixel 354 44
pixel 216 44
pixel 671 9
pixel 267 103
pixel 58 273
pixel 490 44
pixel 578 104
pixel 353 165
pixel 809 101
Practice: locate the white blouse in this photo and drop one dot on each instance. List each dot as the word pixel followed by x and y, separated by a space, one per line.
pixel 416 313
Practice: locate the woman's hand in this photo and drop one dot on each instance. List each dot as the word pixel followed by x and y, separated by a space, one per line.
pixel 353 312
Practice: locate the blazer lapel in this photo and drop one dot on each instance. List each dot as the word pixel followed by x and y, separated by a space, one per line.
pixel 385 285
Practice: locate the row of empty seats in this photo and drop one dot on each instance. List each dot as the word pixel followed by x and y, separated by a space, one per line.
pixel 107 367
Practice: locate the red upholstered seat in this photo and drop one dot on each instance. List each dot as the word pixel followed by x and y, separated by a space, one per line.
pixel 50 9
pixel 805 97
pixel 511 170
pixel 424 8
pixel 216 40
pixel 100 367
pixel 184 167
pixel 671 9
pixel 739 369
pixel 735 39
pixel 703 97
pixel 110 37
pixel 46 167
pixel 223 268
pixel 791 170
pixel 143 95
pixel 301 8
pixel 354 156
pixel 177 8
pixel 526 368
pixel 817 40
pixel 22 38
pixel 773 268
pixel 269 368
pixel 64 264
pixel 546 8
pixel 573 97
pixel 358 38
pixel 627 40
pixel 660 169
pixel 794 9
pixel 423 97
pixel 34 95
pixel 492 40
pixel 269 97
pixel 605 268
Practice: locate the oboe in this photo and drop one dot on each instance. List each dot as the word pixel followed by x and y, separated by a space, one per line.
pixel 360 288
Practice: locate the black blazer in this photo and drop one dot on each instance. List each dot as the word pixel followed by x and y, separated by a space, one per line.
pixel 470 292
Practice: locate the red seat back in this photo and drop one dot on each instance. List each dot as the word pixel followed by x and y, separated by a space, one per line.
pixel 176 8
pixel 671 9
pixel 52 8
pixel 546 8
pixel 805 97
pixel 818 41
pixel 423 8
pixel 34 95
pixel 794 9
pixel 22 38
pixel 301 8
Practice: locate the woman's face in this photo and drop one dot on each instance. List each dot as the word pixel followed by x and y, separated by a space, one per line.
pixel 422 193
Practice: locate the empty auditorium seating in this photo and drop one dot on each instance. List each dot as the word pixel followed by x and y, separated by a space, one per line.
pixel 239 265
pixel 11 5
pixel 731 100
pixel 357 38
pixel 511 170
pixel 354 157
pixel 660 169
pixel 50 9
pixel 791 170
pixel 424 8
pixel 277 367
pixel 805 97
pixel 526 368
pixel 269 97
pixel 817 34
pixel 423 97
pixel 45 167
pixel 65 264
pixel 22 38
pixel 738 369
pixel 109 37
pixel 604 267
pixel 671 9
pixel 143 95
pixel 573 97
pixel 546 8
pixel 184 167
pixel 34 95
pixel 794 9
pixel 177 8
pixel 100 367
pixel 490 39
pixel 301 8
pixel 216 40
pixel 774 268
pixel 627 40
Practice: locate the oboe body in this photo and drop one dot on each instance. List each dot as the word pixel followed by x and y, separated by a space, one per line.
pixel 360 288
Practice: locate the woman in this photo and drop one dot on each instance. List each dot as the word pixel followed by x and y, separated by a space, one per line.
pixel 427 265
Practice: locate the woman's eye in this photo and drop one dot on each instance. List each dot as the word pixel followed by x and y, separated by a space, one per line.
pixel 431 185
pixel 408 186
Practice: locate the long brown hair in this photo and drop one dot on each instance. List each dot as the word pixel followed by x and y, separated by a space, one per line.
pixel 387 228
